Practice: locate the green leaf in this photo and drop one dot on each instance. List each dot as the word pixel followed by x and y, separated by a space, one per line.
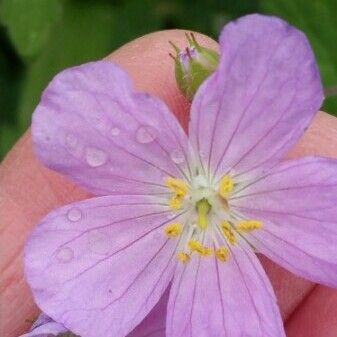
pixel 84 33
pixel 10 80
pixel 207 17
pixel 318 20
pixel 8 135
pixel 135 18
pixel 29 23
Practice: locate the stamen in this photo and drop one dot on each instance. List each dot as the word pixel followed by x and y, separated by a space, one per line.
pixel 179 186
pixel 198 247
pixel 173 230
pixel 249 225
pixel 203 208
pixel 175 202
pixel 226 186
pixel 222 253
pixel 207 251
pixel 195 245
pixel 228 232
pixel 183 257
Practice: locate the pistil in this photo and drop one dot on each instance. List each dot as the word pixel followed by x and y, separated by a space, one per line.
pixel 203 208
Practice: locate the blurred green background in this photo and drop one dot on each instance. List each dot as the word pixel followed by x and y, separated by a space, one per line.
pixel 38 38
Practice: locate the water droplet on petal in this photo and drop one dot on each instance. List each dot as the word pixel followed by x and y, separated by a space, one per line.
pixel 146 134
pixel 71 141
pixel 99 243
pixel 177 157
pixel 95 157
pixel 74 214
pixel 65 254
pixel 115 131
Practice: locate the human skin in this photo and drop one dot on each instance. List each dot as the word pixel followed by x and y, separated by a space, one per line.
pixel 28 191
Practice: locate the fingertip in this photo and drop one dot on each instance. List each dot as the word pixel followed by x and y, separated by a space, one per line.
pixel 316 316
pixel 319 139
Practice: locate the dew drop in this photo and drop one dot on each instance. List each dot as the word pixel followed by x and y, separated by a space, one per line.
pixel 74 214
pixel 177 157
pixel 99 243
pixel 146 134
pixel 71 141
pixel 95 157
pixel 115 132
pixel 65 254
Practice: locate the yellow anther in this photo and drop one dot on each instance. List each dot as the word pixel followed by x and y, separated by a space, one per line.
pixel 195 245
pixel 222 253
pixel 175 202
pixel 178 186
pixel 228 232
pixel 198 247
pixel 183 257
pixel 207 251
pixel 173 230
pixel 226 186
pixel 203 208
pixel 249 225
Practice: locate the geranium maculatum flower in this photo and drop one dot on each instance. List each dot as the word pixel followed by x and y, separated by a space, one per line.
pixel 186 211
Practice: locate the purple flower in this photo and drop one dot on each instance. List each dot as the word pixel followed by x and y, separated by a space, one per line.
pixel 152 326
pixel 186 211
pixel 45 327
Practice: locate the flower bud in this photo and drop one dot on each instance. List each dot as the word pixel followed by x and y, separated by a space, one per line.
pixel 193 65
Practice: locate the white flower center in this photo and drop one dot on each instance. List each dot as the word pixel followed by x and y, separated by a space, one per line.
pixel 208 226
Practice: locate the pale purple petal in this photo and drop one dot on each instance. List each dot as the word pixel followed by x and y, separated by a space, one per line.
pixel 260 100
pixel 296 201
pixel 99 266
pixel 42 319
pixel 154 325
pixel 45 327
pixel 210 298
pixel 92 126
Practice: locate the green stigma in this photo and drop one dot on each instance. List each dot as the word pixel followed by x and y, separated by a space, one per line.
pixel 203 208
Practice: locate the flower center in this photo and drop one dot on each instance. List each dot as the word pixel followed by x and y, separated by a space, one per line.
pixel 210 227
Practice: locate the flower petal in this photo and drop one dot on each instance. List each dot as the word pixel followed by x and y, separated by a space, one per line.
pixel 261 99
pixel 210 298
pixel 154 325
pixel 99 266
pixel 45 326
pixel 92 126
pixel 296 201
